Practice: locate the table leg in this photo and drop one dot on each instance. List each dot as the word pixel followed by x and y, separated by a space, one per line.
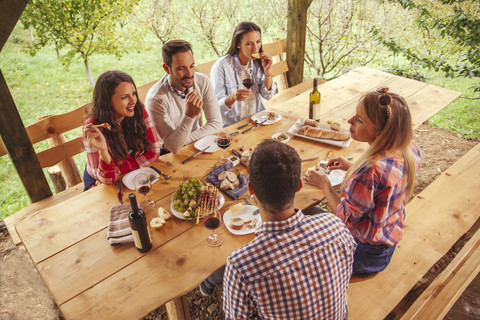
pixel 177 309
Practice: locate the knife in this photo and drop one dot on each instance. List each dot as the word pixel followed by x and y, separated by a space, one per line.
pixel 196 154
pixel 232 134
pixel 119 194
pixel 246 124
pixel 258 124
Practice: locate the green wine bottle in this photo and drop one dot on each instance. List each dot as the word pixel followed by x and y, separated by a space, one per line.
pixel 314 108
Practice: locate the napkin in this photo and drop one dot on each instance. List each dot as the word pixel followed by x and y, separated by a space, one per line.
pixel 232 193
pixel 118 226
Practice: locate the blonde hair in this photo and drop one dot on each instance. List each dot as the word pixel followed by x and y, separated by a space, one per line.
pixel 390 114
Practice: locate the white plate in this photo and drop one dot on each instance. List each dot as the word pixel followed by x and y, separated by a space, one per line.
pixel 246 213
pixel 336 176
pixel 208 141
pixel 179 214
pixel 262 115
pixel 128 179
pixel 339 143
pixel 276 135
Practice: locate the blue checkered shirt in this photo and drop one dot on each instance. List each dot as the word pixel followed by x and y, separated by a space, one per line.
pixel 297 268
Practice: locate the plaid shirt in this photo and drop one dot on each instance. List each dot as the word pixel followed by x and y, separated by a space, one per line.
pixel 108 172
pixel 297 268
pixel 372 204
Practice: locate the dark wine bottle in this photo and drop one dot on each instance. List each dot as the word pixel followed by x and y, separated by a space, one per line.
pixel 314 108
pixel 138 224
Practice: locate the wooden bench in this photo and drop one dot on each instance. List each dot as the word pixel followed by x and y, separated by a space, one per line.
pixel 436 218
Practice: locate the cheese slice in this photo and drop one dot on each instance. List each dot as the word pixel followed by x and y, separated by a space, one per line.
pixel 236 208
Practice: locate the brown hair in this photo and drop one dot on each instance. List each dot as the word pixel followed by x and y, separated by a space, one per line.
pixel 132 134
pixel 174 46
pixel 390 114
pixel 242 28
pixel 275 174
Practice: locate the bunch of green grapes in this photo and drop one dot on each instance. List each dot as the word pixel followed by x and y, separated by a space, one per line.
pixel 187 191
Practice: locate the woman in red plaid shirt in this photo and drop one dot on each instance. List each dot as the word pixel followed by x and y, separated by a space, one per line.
pixel 378 185
pixel 127 141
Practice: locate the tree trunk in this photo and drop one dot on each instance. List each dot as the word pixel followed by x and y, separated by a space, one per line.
pixel 31 34
pixel 89 73
pixel 296 35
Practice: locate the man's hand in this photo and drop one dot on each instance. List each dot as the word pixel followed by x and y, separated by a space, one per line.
pixel 194 105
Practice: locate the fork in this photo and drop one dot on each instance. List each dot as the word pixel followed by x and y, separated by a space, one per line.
pixel 166 176
pixel 257 211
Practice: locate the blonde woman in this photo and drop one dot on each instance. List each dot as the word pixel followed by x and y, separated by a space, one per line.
pixel 378 185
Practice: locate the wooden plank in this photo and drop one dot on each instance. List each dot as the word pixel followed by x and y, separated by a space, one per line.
pixel 275 48
pixel 82 267
pixel 178 308
pixel 290 93
pixel 441 294
pixel 143 89
pixel 205 68
pixel 39 205
pixel 182 269
pixel 53 125
pixel 335 93
pixel 435 219
pixel 10 12
pixel 279 68
pixel 54 155
pixel 16 141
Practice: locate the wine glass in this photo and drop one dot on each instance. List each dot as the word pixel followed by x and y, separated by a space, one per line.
pixel 143 185
pixel 223 141
pixel 246 76
pixel 212 222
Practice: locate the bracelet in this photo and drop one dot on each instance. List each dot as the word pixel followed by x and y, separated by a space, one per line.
pixel 268 75
pixel 234 97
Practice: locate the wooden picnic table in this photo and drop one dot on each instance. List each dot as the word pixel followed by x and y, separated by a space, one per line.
pixel 89 278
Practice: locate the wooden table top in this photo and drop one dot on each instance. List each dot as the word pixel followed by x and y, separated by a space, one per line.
pixel 89 278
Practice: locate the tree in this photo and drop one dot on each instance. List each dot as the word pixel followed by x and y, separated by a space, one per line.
pixel 159 17
pixel 82 27
pixel 458 22
pixel 338 35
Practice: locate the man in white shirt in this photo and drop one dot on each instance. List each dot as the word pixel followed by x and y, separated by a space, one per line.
pixel 175 102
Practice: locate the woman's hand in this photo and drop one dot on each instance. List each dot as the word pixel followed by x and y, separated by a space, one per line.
pixel 266 62
pixel 243 94
pixel 95 137
pixel 317 178
pixel 339 163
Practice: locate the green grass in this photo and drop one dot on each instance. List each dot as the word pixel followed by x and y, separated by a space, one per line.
pixel 41 85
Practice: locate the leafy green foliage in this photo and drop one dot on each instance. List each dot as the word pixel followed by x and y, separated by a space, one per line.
pixel 456 21
pixel 82 27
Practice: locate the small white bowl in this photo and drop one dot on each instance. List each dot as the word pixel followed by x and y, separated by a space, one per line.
pixel 277 136
pixel 234 160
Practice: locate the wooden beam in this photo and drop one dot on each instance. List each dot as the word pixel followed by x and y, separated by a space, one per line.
pixel 296 35
pixel 15 139
pixel 10 12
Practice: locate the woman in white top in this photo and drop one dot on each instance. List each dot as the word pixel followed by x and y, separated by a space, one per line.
pixel 244 59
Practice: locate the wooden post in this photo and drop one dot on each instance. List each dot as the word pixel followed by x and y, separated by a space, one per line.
pixel 10 12
pixel 177 309
pixel 18 145
pixel 58 181
pixel 296 35
pixel 68 167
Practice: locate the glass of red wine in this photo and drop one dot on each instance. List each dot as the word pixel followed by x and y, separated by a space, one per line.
pixel 143 185
pixel 223 141
pixel 247 80
pixel 212 222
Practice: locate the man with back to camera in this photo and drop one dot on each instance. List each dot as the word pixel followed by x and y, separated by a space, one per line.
pixel 297 267
pixel 175 102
